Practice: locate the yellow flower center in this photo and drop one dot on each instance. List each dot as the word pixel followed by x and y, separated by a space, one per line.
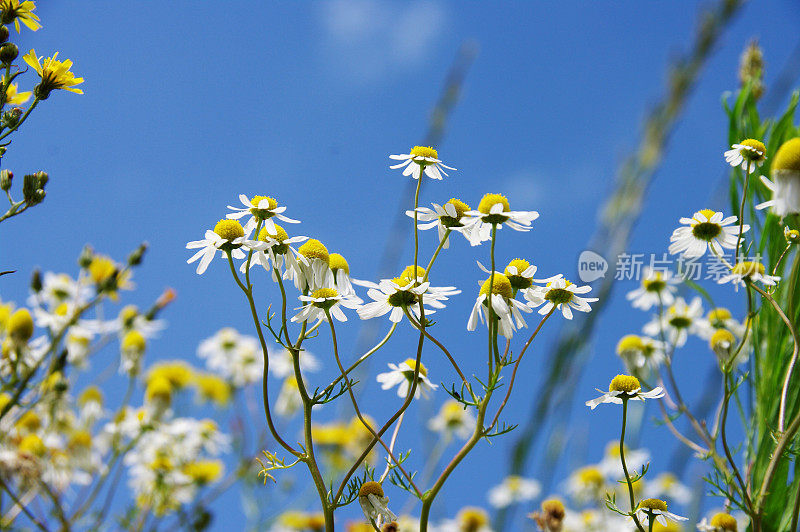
pixel 748 269
pixel 408 273
pixel 653 504
pixel 281 235
pixel 370 487
pixel 787 157
pixel 591 476
pixel 471 519
pixel 313 249
pixel 128 313
pixel 158 389
pixel 401 298
pixel 178 374
pixel 338 262
pixel 80 440
pixel 61 310
pixel 518 282
pixel 500 285
pixel 655 284
pixel 757 151
pixel 554 507
pixel 256 201
pixel 32 444
pixel 91 394
pixel 490 200
pixel 412 363
pixel 459 205
pixel 204 471
pixel 424 151
pixel 792 235
pixel 133 341
pixel 29 421
pixel 725 521
pixel 630 343
pixel 719 315
pixel 624 383
pixel 325 293
pixel 229 229
pixel 722 339
pixel 20 325
pixel 101 269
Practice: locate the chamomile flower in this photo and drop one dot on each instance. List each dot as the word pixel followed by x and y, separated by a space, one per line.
pixel 514 489
pixel 261 209
pixel 720 522
pixel 277 250
pixel 677 322
pixel 60 288
pixel 341 274
pixel 311 270
pixel 560 294
pixel 55 75
pixel 374 503
pixel 785 183
pixel 395 296
pixel 468 519
pixel 505 309
pixel 228 236
pixel 706 230
pixel 719 318
pixel 403 374
pixel 656 509
pixel 281 364
pixel 323 299
pixel 640 352
pixel 751 271
pixel 421 159
pixel 453 419
pixel 289 400
pixel 494 210
pixel 624 387
pixel 587 484
pixel 749 154
pixel 520 274
pixel 611 465
pixel 657 287
pixel 447 217
pixel 238 358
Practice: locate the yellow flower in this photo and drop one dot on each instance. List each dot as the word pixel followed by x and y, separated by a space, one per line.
pixel 55 74
pixel 13 97
pixel 15 11
pixel 204 471
pixel 176 372
pixel 213 388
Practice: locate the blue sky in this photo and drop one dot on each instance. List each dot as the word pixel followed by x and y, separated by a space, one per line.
pixel 188 104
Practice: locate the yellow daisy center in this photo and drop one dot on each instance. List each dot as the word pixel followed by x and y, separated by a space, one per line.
pixel 719 314
pixel 408 273
pixel 314 249
pixel 490 200
pixel 133 341
pixel 630 343
pixel 281 235
pixel 624 383
pixel 471 519
pixel 101 269
pixel 324 293
pixel 787 157
pixel 459 205
pixel 338 262
pixel 748 269
pixel 554 507
pixel 792 235
pixel 32 444
pixel 756 152
pixel 722 339
pixel 424 151
pixel 128 313
pixel 256 201
pixel 654 284
pixel 517 280
pixel 20 325
pixel 158 389
pixel 229 229
pixel 412 363
pixel 725 521
pixel 591 476
pixel 29 421
pixel 80 440
pixel 653 504
pixel 91 394
pixel 177 373
pixel 204 471
pixel 370 488
pixel 500 285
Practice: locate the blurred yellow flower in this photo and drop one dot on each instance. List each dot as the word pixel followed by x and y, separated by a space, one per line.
pixel 13 97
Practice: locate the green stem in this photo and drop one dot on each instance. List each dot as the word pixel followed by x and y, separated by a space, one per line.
pixel 625 466
pixel 436 254
pixel 741 214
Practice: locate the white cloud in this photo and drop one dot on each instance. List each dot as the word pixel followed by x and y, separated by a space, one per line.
pixel 366 40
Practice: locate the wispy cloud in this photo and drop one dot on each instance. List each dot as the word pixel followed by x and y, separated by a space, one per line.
pixel 367 40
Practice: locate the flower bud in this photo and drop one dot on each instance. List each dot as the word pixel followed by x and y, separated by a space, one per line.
pixel 86 257
pixel 8 52
pixel 11 117
pixel 751 69
pixel 36 281
pixel 135 258
pixel 6 176
pixel 33 187
pixel 3 33
pixel 792 235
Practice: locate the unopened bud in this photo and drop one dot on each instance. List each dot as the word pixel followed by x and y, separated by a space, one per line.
pixel 8 52
pixel 36 281
pixel 135 258
pixel 86 257
pixel 43 178
pixel 3 33
pixel 751 69
pixel 33 188
pixel 6 176
pixel 11 117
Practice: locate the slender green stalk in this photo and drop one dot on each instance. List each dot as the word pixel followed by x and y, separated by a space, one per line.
pixel 625 466
pixel 741 214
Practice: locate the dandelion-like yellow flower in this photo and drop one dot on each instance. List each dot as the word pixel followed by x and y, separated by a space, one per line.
pixel 20 325
pixel 14 97
pixel 16 11
pixel 55 74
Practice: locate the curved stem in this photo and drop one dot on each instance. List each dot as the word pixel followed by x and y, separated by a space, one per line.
pixel 728 454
